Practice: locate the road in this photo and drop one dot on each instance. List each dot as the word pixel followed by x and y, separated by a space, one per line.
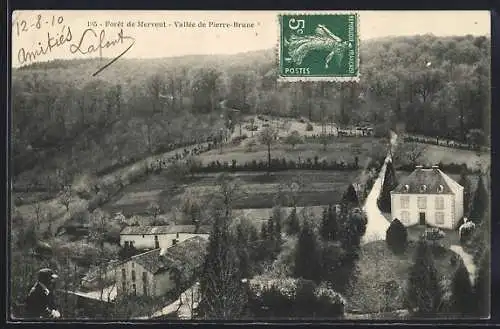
pixel 468 261
pixel 377 223
pixel 182 305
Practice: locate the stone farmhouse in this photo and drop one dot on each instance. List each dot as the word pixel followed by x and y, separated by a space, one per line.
pixel 155 272
pixel 154 237
pixel 428 197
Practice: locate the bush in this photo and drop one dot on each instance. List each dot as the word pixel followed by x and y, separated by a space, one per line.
pixel 433 234
pixel 309 127
pixel 397 236
pixel 293 298
pixel 466 230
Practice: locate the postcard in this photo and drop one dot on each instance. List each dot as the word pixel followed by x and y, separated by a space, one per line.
pixel 250 165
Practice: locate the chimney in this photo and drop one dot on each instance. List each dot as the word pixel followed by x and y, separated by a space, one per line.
pixel 419 167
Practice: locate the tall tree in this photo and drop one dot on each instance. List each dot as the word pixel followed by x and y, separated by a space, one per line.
pixel 293 223
pixel 329 224
pixel 389 184
pixel 479 202
pixel 307 255
pixel 465 183
pixel 220 283
pixel 482 285
pixel 268 137
pixel 462 297
pixel 423 290
pixel 351 196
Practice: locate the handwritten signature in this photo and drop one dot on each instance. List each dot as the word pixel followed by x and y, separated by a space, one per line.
pixel 91 42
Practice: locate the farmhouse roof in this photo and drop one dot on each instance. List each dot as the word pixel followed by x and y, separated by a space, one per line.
pixel 94 272
pixel 428 181
pixel 189 253
pixel 166 229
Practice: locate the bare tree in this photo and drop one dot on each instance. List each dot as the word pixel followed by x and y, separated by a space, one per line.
pixel 155 210
pixel 268 137
pixel 411 153
pixel 66 196
pixel 39 214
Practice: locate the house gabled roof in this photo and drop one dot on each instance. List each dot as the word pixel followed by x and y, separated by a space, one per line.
pixel 427 181
pixel 190 253
pixel 165 229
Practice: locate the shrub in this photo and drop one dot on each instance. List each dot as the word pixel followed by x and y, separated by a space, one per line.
pixel 292 298
pixel 433 234
pixel 466 230
pixel 309 127
pixel 396 236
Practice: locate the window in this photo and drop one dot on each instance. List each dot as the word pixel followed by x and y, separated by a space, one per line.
pixel 423 188
pixel 440 188
pixel 405 202
pixel 133 275
pixel 124 274
pixel 406 188
pixel 439 217
pixel 144 276
pixel 422 202
pixel 177 235
pixel 144 283
pixel 133 264
pixel 124 286
pixel 405 217
pixel 134 288
pixel 439 202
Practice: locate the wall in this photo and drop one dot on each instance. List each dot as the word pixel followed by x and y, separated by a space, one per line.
pixel 156 284
pixel 140 241
pixel 165 240
pixel 430 210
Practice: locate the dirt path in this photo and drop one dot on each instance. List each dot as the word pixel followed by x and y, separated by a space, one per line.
pixel 468 261
pixel 182 305
pixel 377 223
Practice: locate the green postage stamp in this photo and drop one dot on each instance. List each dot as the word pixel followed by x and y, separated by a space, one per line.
pixel 319 47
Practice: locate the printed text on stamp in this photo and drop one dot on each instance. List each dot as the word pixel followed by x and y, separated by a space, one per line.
pixel 319 47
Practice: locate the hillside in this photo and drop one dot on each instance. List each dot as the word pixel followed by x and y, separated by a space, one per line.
pixel 65 118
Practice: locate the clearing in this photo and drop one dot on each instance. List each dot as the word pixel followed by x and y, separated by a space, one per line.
pixel 259 190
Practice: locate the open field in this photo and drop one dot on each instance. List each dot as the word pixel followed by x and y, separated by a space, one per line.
pixel 284 125
pixel 258 190
pixel 340 149
pixel 379 268
pixel 435 154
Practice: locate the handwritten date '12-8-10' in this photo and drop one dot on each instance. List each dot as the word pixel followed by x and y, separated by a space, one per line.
pixel 40 22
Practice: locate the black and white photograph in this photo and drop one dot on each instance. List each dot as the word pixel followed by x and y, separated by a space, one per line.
pixel 163 167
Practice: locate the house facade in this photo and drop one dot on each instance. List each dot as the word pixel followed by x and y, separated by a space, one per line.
pixel 428 197
pixel 152 273
pixel 154 237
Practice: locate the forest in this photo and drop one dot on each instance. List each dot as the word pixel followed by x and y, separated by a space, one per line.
pixel 63 118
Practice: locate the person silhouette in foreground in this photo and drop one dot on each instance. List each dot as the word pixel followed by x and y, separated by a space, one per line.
pixel 40 303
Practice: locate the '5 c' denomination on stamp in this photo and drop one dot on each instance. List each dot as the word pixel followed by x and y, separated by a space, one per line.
pixel 319 47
